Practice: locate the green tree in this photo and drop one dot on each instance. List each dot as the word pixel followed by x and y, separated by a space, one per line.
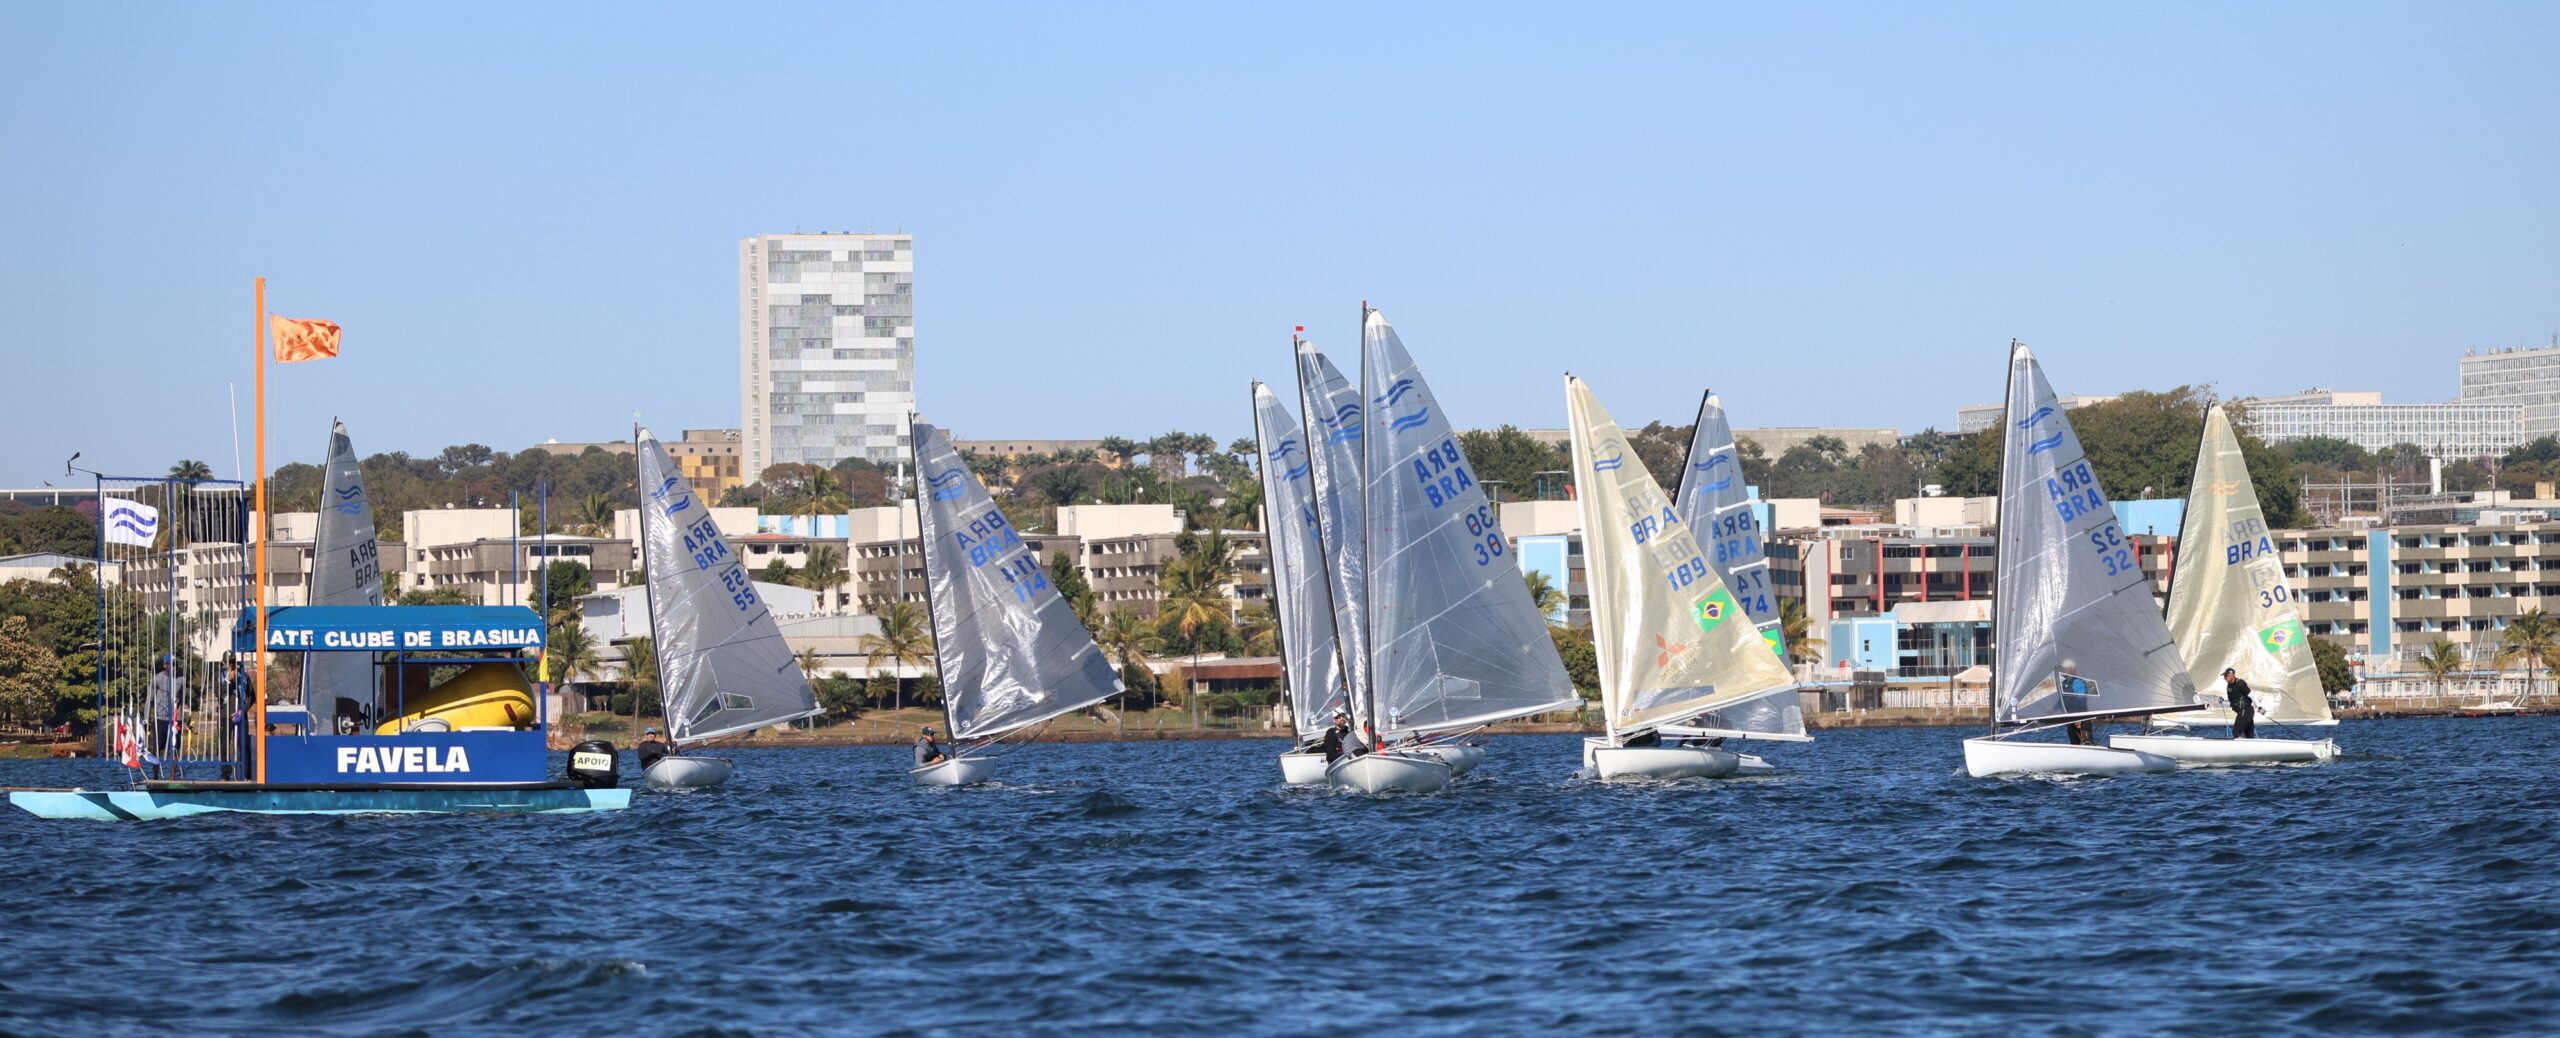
pixel 1581 659
pixel 903 639
pixel 190 470
pixel 2336 677
pixel 1544 592
pixel 1260 631
pixel 1126 636
pixel 1664 449
pixel 1068 578
pixel 2441 661
pixel 639 668
pixel 1511 458
pixel 571 653
pixel 822 572
pixel 2532 639
pixel 592 515
pixel 563 580
pixel 30 674
pixel 1796 628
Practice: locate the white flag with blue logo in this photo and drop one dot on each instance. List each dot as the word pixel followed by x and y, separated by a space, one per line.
pixel 131 522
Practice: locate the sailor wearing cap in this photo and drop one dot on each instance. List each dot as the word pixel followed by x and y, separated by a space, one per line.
pixel 927 750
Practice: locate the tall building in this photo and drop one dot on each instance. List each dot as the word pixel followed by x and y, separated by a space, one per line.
pixel 2517 376
pixel 2461 429
pixel 826 348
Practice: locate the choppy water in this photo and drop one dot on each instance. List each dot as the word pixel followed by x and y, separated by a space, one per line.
pixel 1174 888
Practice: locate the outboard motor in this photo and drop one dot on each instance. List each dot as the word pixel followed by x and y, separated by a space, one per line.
pixel 592 765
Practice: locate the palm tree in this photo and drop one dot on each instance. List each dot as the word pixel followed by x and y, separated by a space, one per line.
pixel 593 515
pixel 2442 660
pixel 1121 449
pixel 640 671
pixel 1260 631
pixel 190 469
pixel 1125 634
pixel 2533 638
pixel 1544 592
pixel 570 653
pixel 1191 593
pixel 902 639
pixel 1797 628
pixel 822 573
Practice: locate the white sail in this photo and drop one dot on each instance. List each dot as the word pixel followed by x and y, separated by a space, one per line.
pixel 1334 425
pixel 1671 638
pixel 1011 651
pixel 723 667
pixel 2078 631
pixel 1714 502
pixel 346 569
pixel 1300 590
pixel 1457 642
pixel 2228 602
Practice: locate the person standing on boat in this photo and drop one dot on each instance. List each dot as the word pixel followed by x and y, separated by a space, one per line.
pixel 237 694
pixel 1336 737
pixel 161 699
pixel 2244 716
pixel 928 751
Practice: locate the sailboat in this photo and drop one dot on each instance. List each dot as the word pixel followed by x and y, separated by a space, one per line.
pixel 1310 657
pixel 2079 636
pixel 341 690
pixel 2229 608
pixel 1719 513
pixel 1673 640
pixel 723 667
pixel 1008 647
pixel 1454 642
pixel 1335 421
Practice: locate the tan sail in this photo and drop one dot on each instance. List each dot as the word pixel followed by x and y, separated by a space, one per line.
pixel 1671 639
pixel 2229 605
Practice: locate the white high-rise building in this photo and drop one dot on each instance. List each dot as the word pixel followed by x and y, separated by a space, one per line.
pixel 826 348
pixel 2527 377
pixel 2459 429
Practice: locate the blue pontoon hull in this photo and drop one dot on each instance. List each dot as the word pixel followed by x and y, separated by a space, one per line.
pixel 133 805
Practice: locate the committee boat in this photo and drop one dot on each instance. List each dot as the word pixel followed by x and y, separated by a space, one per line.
pixel 1008 647
pixel 722 663
pixel 1302 598
pixel 1453 641
pixel 2229 608
pixel 1721 515
pixel 2079 637
pixel 1673 640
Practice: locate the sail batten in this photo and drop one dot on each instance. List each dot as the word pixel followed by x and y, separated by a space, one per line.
pixel 346 569
pixel 1671 637
pixel 2077 630
pixel 1718 508
pixel 1457 642
pixel 1301 590
pixel 2229 604
pixel 1011 651
pixel 723 667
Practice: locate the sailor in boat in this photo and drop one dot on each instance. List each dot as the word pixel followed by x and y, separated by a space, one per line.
pixel 162 694
pixel 652 749
pixel 2244 717
pixel 1337 739
pixel 238 694
pixel 927 750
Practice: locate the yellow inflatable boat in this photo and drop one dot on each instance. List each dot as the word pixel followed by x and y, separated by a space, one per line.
pixel 484 695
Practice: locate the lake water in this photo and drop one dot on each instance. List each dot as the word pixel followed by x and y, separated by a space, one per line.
pixel 1175 888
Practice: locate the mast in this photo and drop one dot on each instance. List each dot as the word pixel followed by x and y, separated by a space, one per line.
pixel 1368 554
pixel 924 558
pixel 258 576
pixel 2009 531
pixel 648 595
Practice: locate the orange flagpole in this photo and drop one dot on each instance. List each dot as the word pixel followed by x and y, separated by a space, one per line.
pixel 258 728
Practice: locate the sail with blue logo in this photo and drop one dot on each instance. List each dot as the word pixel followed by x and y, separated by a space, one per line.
pixel 346 570
pixel 1011 651
pixel 1300 591
pixel 2077 629
pixel 1456 640
pixel 1718 507
pixel 2229 606
pixel 723 667
pixel 1672 639
pixel 1334 427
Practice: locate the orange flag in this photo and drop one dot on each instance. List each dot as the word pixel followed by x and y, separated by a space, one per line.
pixel 298 341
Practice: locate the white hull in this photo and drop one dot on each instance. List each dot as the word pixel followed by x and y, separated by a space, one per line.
pixel 1302 768
pixel 677 771
pixel 1985 757
pixel 1661 763
pixel 1391 772
pixel 1752 764
pixel 1460 757
pixel 958 771
pixel 2192 749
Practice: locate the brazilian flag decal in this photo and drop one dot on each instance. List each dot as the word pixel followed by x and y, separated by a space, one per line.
pixel 1777 642
pixel 1715 608
pixel 2276 637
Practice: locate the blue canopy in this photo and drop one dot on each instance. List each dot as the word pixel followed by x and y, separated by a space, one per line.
pixel 389 628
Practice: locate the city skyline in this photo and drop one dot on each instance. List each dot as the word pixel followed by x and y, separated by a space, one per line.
pixel 1833 217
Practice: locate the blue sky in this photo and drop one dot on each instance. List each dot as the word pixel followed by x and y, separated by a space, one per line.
pixel 527 215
